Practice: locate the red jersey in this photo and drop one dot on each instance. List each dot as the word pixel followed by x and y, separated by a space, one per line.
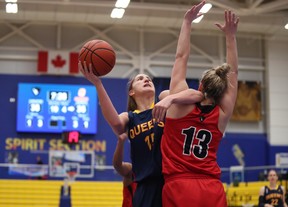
pixel 189 144
pixel 128 193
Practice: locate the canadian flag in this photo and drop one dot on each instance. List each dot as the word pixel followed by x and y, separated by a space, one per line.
pixel 57 62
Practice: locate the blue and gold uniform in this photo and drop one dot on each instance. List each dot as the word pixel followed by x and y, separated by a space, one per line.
pixel 145 138
pixel 274 197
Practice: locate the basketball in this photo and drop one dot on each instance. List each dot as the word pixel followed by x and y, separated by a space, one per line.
pixel 100 54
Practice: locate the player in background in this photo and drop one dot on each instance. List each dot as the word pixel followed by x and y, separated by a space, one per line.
pixel 193 132
pixel 143 133
pixel 125 170
pixel 274 194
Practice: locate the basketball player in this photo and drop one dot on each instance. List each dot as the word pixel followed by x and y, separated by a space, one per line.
pixel 143 134
pixel 193 132
pixel 125 170
pixel 272 195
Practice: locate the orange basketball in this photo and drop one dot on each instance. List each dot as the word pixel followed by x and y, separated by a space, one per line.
pixel 100 55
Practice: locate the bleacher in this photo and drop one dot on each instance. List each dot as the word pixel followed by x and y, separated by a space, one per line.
pixel 102 194
pixel 46 193
pixel 24 193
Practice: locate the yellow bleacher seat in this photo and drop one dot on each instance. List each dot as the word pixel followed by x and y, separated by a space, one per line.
pixel 46 193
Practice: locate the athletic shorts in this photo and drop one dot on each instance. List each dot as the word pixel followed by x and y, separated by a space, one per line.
pixel 149 193
pixel 187 192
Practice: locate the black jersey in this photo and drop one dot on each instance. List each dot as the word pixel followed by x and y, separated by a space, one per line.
pixel 274 196
pixel 145 137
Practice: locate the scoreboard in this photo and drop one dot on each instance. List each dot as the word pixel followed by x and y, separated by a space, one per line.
pixel 55 108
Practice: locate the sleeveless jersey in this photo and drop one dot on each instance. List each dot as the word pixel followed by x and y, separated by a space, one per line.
pixel 190 143
pixel 274 196
pixel 128 192
pixel 145 139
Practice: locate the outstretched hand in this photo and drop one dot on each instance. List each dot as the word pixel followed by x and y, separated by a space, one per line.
pixel 160 109
pixel 193 13
pixel 88 73
pixel 230 25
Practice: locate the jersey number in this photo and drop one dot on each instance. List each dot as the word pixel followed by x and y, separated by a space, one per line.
pixel 150 140
pixel 199 150
pixel 274 202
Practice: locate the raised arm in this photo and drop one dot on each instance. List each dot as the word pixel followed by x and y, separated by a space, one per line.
pixel 117 122
pixel 123 168
pixel 230 28
pixel 178 76
pixel 188 96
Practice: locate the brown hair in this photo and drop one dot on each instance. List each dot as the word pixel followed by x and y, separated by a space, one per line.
pixel 215 82
pixel 132 105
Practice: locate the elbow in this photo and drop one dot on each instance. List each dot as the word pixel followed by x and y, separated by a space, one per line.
pixel 181 55
pixel 199 96
pixel 119 168
pixel 117 165
pixel 117 128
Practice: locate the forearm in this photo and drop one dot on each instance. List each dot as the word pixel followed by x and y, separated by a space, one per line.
pixel 118 154
pixel 108 110
pixel 189 96
pixel 122 168
pixel 232 53
pixel 183 45
pixel 178 76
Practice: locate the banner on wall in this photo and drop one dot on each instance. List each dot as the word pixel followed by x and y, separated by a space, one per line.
pixel 30 171
pixel 281 159
pixel 248 103
pixel 57 62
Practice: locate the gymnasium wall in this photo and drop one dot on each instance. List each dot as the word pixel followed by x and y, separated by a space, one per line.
pixel 277 92
pixel 236 147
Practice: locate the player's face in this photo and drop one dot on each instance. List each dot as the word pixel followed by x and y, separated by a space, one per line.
pixel 272 176
pixel 142 83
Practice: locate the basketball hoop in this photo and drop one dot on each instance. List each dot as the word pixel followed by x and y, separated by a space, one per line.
pixel 71 176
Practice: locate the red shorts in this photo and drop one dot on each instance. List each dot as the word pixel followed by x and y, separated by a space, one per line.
pixel 187 192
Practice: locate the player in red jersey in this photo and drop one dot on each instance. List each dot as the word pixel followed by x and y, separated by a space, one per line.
pixel 144 135
pixel 193 132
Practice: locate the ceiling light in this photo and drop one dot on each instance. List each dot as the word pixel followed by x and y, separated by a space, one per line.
pixel 198 19
pixel 122 3
pixel 11 8
pixel 286 26
pixel 117 13
pixel 205 8
pixel 11 1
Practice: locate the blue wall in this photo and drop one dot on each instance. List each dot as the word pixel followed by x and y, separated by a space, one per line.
pixel 254 147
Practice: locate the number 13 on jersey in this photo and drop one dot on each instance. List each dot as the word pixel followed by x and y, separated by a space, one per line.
pixel 200 148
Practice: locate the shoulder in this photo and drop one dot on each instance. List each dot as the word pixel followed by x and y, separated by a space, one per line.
pixel 262 190
pixel 177 111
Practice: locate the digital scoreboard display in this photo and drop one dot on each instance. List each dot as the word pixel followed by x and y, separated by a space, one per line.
pixel 55 108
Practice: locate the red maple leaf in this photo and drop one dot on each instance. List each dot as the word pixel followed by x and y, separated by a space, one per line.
pixel 58 62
